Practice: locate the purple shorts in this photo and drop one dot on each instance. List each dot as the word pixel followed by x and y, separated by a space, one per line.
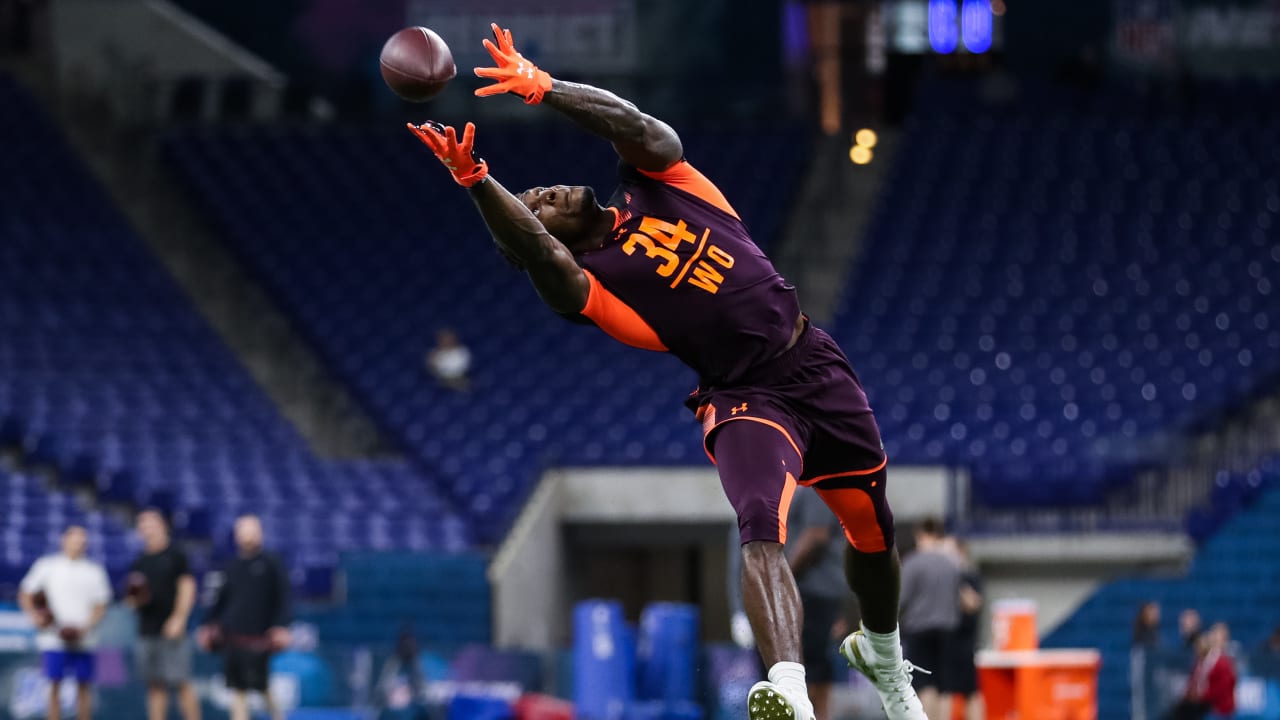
pixel 58 664
pixel 821 432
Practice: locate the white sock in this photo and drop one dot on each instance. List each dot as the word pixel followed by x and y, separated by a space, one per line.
pixel 790 677
pixel 888 646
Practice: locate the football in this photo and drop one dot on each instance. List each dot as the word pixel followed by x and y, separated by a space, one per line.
pixel 416 64
pixel 136 588
pixel 71 635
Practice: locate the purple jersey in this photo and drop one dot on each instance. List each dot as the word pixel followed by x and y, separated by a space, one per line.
pixel 680 273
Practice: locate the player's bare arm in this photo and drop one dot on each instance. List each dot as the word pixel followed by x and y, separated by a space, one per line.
pixel 520 235
pixel 551 268
pixel 640 139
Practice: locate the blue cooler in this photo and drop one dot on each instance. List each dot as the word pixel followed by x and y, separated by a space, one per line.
pixel 731 671
pixel 603 660
pixel 667 653
pixel 480 707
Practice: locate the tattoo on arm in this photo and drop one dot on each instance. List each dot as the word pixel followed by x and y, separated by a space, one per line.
pixel 641 140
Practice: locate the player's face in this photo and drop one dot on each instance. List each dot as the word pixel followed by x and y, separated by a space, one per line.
pixel 567 212
pixel 74 542
pixel 152 529
pixel 248 532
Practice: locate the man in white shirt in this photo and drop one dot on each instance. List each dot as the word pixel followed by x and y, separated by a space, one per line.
pixel 450 361
pixel 66 596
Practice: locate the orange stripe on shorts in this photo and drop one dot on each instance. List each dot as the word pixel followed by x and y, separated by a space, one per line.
pixel 857 513
pixel 784 506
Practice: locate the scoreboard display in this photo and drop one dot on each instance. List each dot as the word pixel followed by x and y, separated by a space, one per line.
pixel 943 27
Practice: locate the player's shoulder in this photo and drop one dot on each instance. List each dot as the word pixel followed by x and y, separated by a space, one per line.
pixel 683 177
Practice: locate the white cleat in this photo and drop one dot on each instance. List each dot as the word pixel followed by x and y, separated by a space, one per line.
pixel 767 701
pixel 892 683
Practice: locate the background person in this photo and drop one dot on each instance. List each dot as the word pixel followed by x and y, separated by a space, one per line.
pixel 960 673
pixel 1146 638
pixel 249 619
pixel 450 361
pixel 66 596
pixel 930 611
pixel 1211 688
pixel 162 590
pixel 1189 627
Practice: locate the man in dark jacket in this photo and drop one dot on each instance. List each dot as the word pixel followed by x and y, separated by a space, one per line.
pixel 249 619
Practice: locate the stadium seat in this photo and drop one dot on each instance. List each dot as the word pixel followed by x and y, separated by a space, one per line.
pixel 1054 292
pixel 109 374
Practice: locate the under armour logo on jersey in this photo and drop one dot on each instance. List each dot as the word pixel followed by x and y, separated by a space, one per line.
pixel 740 408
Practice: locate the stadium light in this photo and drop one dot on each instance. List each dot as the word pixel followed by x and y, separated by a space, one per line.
pixel 860 154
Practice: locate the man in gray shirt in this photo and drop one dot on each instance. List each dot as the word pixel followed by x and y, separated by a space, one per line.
pixel 930 609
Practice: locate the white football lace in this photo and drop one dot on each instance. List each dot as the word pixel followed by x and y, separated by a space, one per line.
pixel 902 683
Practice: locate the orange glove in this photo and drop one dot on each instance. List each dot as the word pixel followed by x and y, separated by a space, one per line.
pixel 467 169
pixel 514 74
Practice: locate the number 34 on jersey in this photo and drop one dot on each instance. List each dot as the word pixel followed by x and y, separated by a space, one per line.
pixel 662 241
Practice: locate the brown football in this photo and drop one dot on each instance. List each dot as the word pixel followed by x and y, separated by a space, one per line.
pixel 416 64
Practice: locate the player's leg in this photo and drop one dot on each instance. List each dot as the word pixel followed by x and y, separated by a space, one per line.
pixel 758 466
pixel 974 707
pixel 157 700
pixel 273 710
pixel 239 705
pixel 178 676
pixel 262 683
pixel 235 672
pixel 55 701
pixel 820 615
pixel 84 701
pixel 54 662
pixel 83 663
pixel 188 701
pixel 145 653
pixel 873 571
pixel 927 647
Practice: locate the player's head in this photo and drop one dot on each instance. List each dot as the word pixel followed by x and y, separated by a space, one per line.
pixel 1149 614
pixel 248 533
pixel 570 213
pixel 1189 621
pixel 152 529
pixel 929 532
pixel 74 541
pixel 1219 636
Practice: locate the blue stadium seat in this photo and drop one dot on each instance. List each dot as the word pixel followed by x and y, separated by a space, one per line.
pixel 108 373
pixel 1053 292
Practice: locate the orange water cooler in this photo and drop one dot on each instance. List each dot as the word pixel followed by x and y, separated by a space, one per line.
pixel 1019 681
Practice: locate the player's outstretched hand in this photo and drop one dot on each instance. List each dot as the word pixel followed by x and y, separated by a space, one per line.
pixel 457 156
pixel 511 71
